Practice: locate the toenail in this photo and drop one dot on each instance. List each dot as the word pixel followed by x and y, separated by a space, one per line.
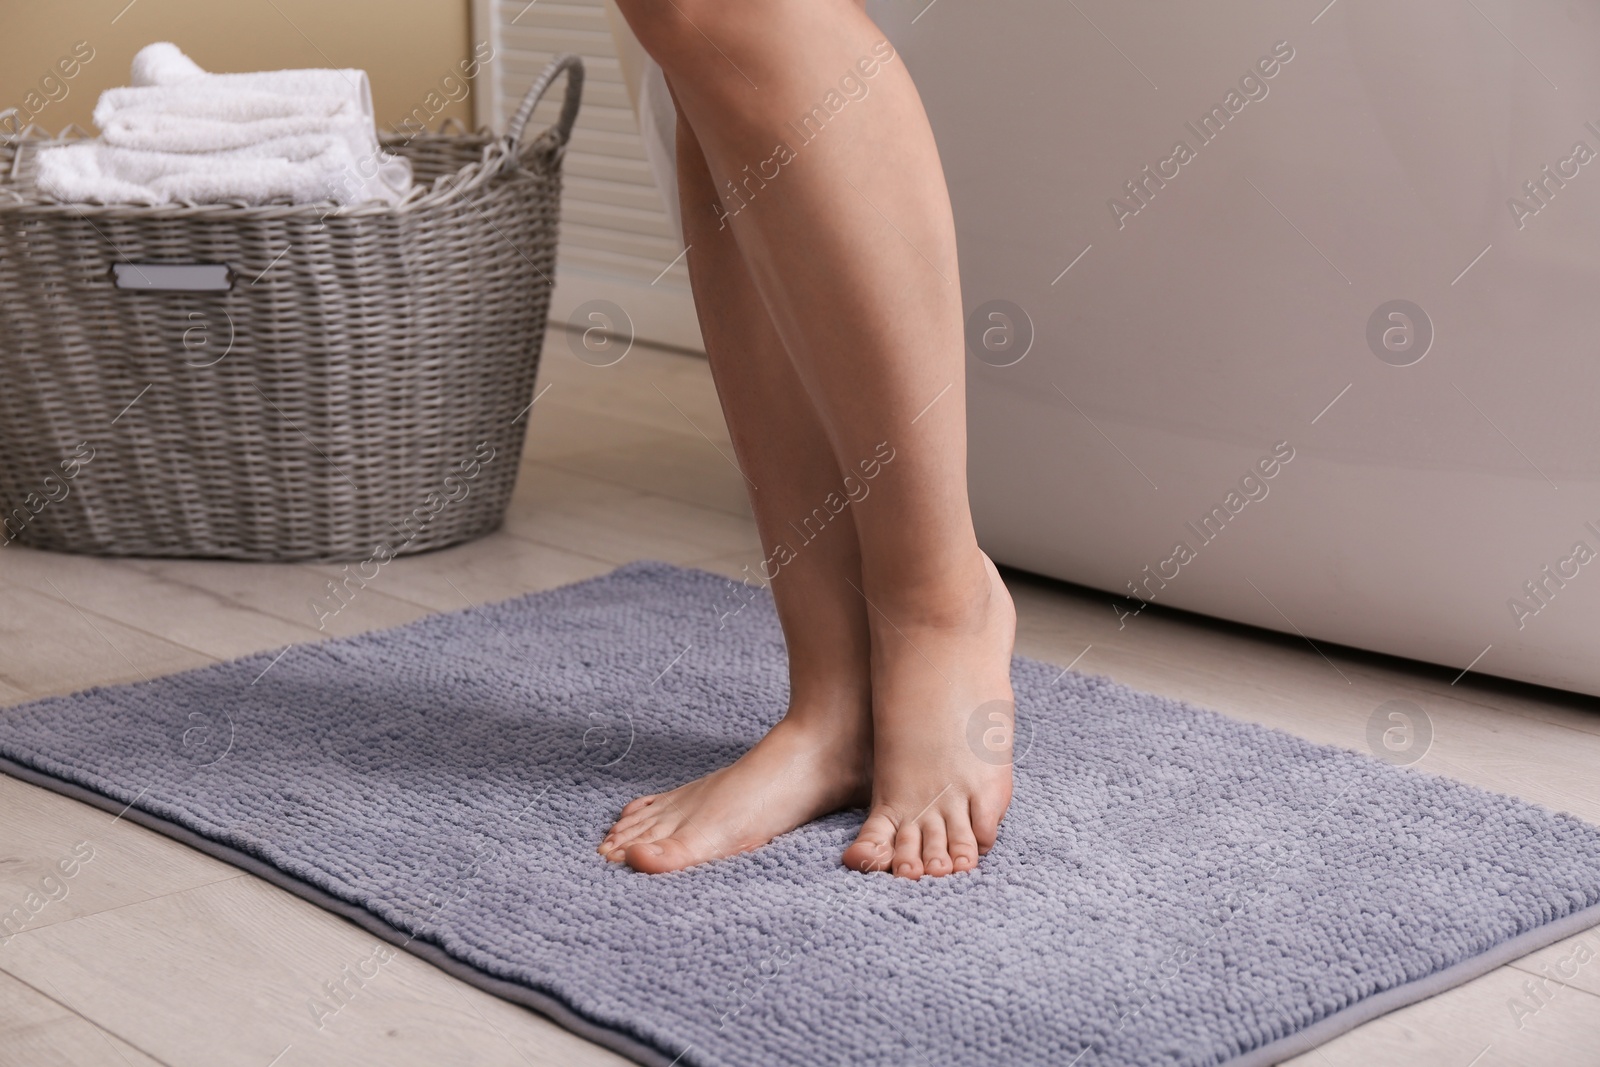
pixel 905 868
pixel 652 850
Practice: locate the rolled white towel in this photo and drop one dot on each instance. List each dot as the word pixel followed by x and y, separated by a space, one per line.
pixel 242 104
pixel 192 120
pixel 163 63
pixel 85 174
pixel 305 169
pixel 352 85
pixel 180 133
pixel 195 117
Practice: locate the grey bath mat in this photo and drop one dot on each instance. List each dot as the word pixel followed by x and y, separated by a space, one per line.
pixel 1171 887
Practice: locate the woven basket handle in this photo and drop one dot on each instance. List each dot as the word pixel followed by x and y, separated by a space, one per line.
pixel 573 65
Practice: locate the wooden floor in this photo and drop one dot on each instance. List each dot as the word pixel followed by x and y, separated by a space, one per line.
pixel 159 954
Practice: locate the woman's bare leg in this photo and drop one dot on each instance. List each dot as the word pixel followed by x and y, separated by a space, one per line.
pixel 827 170
pixel 818 758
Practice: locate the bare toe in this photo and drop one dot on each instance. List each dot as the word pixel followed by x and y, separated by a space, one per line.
pixel 626 830
pixel 805 767
pixel 935 853
pixel 942 665
pixel 986 818
pixel 964 850
pixel 873 845
pixel 636 805
pixel 667 854
pixel 641 817
pixel 908 852
pixel 642 834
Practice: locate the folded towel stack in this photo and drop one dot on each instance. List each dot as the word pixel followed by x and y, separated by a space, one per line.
pixel 181 134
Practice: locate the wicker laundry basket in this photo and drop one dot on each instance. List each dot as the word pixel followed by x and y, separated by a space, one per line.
pixel 278 382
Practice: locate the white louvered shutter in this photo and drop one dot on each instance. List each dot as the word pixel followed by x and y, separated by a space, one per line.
pixel 616 238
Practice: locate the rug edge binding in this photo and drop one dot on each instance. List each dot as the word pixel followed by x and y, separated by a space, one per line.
pixel 565 1016
pixel 1380 1004
pixel 552 1008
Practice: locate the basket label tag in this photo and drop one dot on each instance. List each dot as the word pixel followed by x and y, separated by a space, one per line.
pixel 191 277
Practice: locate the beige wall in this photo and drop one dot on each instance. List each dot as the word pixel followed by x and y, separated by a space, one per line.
pixel 407 46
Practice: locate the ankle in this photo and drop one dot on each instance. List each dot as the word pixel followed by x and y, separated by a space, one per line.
pixel 962 598
pixel 834 745
pixel 845 719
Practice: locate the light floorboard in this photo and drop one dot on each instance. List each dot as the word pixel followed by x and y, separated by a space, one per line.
pixel 245 973
pixel 61 860
pixel 36 1031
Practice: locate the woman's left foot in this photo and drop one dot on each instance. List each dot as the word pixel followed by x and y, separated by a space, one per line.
pixel 942 723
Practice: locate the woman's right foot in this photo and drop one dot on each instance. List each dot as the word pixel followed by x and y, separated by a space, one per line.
pixel 811 763
pixel 943 713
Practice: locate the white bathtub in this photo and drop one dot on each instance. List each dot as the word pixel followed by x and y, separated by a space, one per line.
pixel 1226 310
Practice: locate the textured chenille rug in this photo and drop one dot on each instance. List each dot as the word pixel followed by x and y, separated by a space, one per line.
pixel 1171 887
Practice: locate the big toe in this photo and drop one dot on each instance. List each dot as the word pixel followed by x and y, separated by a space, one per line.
pixel 986 814
pixel 659 857
pixel 873 847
